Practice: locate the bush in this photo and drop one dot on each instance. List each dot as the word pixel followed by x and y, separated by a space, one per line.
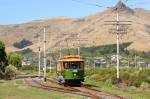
pixel 14 59
pixel 29 67
pixel 144 85
pixel 26 67
pixel 10 72
pixel 129 76
pixel 96 77
pixel 125 77
pixel 109 82
pixel 101 74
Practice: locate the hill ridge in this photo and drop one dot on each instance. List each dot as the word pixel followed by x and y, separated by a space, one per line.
pixel 91 27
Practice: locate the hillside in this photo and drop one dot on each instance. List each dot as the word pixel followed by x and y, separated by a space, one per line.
pixel 91 27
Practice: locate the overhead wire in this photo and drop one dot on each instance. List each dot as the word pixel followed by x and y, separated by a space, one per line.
pixel 91 4
pixel 96 4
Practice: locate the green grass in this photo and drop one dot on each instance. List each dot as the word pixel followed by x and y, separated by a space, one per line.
pixel 94 77
pixel 17 90
pixel 30 72
pixel 126 92
pixel 104 78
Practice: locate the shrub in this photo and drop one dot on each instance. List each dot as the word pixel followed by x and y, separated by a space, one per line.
pixel 10 72
pixel 125 77
pixel 29 67
pixel 26 67
pixel 144 85
pixel 135 81
pixel 109 82
pixel 129 76
pixel 96 77
pixel 14 59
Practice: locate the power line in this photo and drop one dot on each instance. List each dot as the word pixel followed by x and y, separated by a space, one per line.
pixel 91 4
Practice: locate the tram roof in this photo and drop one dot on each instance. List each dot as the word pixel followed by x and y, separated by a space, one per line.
pixel 71 58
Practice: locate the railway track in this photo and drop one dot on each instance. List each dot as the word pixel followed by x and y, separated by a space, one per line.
pixel 91 91
pixel 83 90
pixel 38 84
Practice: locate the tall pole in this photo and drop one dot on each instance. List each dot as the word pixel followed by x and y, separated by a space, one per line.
pixel 50 65
pixel 44 56
pixel 135 61
pixel 60 50
pixel 39 65
pixel 118 32
pixel 78 36
pixel 117 45
pixel 128 61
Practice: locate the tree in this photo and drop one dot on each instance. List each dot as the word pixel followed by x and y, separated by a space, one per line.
pixel 15 59
pixel 3 59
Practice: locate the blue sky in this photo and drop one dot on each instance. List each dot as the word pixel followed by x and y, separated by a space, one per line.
pixel 21 11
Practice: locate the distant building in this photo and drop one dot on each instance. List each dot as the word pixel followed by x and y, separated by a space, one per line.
pixel 100 61
pixel 26 63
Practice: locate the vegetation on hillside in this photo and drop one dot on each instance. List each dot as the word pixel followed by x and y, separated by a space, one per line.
pixel 23 43
pixel 95 50
pixel 26 52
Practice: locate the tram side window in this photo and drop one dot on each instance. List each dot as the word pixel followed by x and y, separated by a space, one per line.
pixel 66 65
pixel 80 64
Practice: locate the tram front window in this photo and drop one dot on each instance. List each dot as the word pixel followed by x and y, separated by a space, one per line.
pixel 74 66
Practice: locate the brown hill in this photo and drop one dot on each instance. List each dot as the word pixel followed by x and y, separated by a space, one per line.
pixel 91 27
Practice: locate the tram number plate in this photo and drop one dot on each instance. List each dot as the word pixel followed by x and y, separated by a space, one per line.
pixel 75 70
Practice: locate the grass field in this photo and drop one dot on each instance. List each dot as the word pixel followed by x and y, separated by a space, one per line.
pixel 130 93
pixel 17 90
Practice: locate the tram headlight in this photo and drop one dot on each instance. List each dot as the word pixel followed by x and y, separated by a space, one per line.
pixel 74 74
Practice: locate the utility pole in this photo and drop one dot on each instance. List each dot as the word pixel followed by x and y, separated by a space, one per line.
pixel 44 56
pixel 39 63
pixel 78 36
pixel 128 61
pixel 75 37
pixel 120 29
pixel 50 65
pixel 78 39
pixel 60 50
pixel 135 61
pixel 117 46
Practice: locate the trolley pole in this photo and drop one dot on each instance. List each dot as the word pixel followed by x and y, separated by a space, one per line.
pixel 44 56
